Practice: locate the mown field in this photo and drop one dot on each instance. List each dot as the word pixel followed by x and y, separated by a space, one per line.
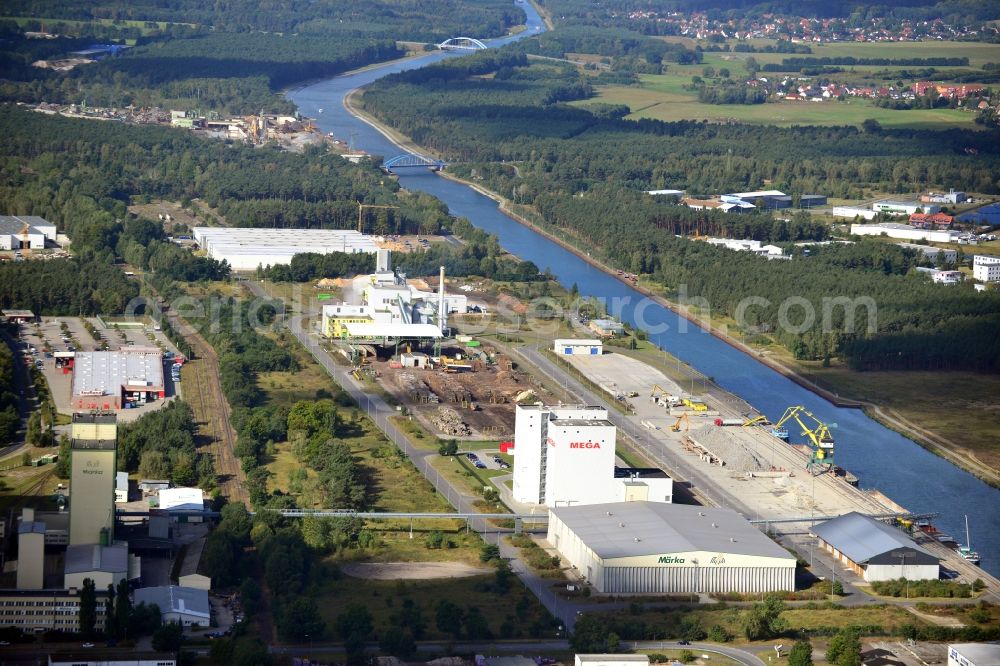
pixel 650 102
pixel 670 96
pixel 978 53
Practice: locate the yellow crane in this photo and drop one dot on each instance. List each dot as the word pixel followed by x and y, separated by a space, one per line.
pixel 760 419
pixel 676 427
pixel 661 396
pixel 819 435
pixel 361 210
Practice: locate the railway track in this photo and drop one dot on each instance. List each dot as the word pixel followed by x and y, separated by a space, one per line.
pixel 203 389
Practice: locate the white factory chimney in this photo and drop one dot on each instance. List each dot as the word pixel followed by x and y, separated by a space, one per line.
pixel 441 301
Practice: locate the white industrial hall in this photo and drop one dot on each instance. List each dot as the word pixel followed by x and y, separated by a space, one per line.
pixel 659 548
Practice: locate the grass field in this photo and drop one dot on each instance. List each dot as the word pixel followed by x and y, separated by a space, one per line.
pixel 809 617
pixel 978 53
pixel 668 96
pixel 146 26
pixel 963 407
pixel 662 97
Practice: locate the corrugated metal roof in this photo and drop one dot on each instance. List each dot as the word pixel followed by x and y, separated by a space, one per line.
pixel 861 538
pixel 175 599
pixel 93 557
pixel 632 529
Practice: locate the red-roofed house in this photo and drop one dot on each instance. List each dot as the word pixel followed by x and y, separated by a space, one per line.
pixel 927 221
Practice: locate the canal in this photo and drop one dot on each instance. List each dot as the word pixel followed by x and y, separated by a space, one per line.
pixel 881 458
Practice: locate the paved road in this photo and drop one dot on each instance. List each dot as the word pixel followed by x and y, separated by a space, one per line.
pixel 670 460
pixel 531 647
pixel 381 413
pixel 25 390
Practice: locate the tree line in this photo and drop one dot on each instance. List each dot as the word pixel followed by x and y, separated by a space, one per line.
pixel 10 415
pixel 583 178
pixel 215 58
pixel 796 64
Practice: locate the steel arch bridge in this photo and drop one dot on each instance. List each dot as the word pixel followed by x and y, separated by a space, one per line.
pixel 462 44
pixel 412 160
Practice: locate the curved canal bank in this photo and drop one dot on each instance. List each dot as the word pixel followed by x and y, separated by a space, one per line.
pixel 882 458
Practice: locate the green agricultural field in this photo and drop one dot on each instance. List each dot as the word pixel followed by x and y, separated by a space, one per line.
pixel 663 97
pixel 978 53
pixel 145 26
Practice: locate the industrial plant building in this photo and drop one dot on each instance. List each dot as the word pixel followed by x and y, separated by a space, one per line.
pixel 391 308
pixel 246 249
pixel 93 468
pixel 105 565
pixel 567 347
pixel 108 380
pixel 892 207
pixel 654 548
pixel 874 550
pixel 752 246
pixel 934 254
pixel 25 233
pixel 186 606
pixel 565 456
pixel 986 268
pixel 772 199
pixel 974 654
pixel 904 232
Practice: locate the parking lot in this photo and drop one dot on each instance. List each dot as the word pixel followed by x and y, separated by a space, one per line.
pixel 487 460
pixel 68 334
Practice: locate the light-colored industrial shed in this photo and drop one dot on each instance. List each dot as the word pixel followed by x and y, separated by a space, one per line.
pixel 247 248
pixel 572 346
pixel 656 548
pixel 875 550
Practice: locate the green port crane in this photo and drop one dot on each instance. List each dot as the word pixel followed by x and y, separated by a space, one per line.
pixel 819 436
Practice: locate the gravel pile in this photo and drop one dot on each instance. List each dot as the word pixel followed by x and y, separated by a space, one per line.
pixel 725 444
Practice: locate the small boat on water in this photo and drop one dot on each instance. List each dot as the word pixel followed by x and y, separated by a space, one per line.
pixel 966 550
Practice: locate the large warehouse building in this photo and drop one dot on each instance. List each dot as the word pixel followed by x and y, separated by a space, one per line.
pixel 25 233
pixel 653 548
pixel 245 249
pixel 115 379
pixel 875 550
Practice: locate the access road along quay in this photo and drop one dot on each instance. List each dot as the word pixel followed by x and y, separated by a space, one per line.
pixel 381 413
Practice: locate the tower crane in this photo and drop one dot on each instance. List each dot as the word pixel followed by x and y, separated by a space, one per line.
pixel 819 436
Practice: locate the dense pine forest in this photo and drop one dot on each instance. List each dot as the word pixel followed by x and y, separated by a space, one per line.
pixel 219 57
pixel 586 174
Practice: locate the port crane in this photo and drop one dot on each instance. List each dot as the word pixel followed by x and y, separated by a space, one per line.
pixel 760 419
pixel 819 436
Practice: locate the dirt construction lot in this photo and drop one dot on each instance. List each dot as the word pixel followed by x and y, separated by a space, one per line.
pixel 474 403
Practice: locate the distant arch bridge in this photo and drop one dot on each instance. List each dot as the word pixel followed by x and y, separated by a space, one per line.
pixel 462 44
pixel 412 160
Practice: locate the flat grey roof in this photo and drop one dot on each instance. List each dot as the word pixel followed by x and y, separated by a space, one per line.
pixel 94 557
pixel 581 422
pixel 175 599
pixel 664 528
pixel 981 654
pixel 192 556
pixel 15 224
pixel 31 526
pixel 106 372
pixel 861 538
